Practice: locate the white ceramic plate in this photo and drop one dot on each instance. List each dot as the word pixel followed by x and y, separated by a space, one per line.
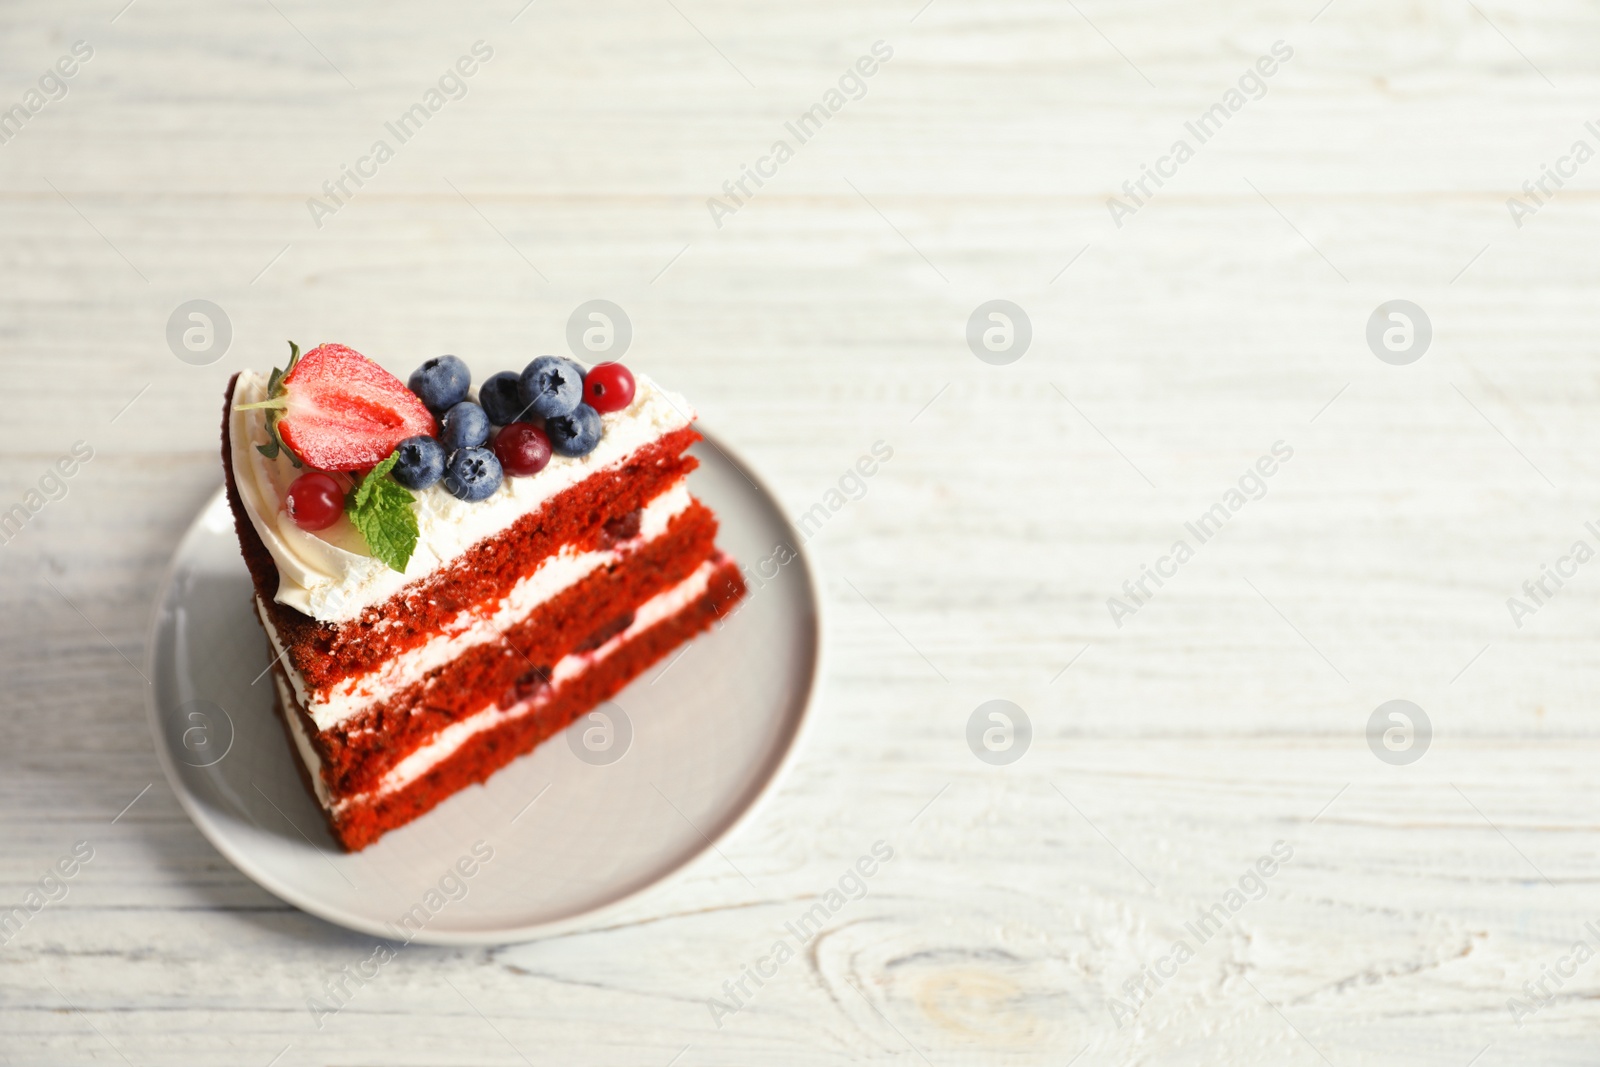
pixel 710 730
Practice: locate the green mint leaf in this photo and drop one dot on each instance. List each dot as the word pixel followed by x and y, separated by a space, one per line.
pixel 374 480
pixel 380 508
pixel 391 534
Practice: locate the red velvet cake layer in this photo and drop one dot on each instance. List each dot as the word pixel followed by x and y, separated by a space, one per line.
pixel 361 822
pixel 359 751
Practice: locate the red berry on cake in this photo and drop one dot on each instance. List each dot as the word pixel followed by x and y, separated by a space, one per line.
pixel 315 501
pixel 522 448
pixel 339 411
pixel 608 387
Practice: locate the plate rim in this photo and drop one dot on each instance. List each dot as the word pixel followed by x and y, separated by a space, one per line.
pixel 289 894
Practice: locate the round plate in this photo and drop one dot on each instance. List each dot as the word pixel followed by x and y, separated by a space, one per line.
pixel 591 817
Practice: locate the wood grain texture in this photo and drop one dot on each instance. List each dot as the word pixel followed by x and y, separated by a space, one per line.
pixel 826 314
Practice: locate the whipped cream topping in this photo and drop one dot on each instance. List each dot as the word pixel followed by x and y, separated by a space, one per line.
pixel 329 574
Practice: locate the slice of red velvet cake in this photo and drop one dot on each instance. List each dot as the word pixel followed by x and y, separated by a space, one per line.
pixel 449 576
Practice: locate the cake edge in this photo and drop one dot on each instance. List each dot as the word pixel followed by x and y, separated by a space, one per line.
pixel 491 750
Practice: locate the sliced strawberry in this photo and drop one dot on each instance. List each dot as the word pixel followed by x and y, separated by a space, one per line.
pixel 344 412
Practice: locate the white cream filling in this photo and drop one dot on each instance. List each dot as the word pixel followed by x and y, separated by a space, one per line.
pixel 448 741
pixel 472 627
pixel 302 743
pixel 329 574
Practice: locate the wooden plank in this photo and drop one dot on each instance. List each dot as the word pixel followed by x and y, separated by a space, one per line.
pixel 1169 753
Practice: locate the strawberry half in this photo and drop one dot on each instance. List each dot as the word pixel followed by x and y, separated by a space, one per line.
pixel 337 410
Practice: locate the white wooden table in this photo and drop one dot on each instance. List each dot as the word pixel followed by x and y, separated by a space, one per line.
pixel 828 313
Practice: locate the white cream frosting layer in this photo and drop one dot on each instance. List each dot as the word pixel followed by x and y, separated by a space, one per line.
pixel 302 743
pixel 329 575
pixel 448 741
pixel 471 627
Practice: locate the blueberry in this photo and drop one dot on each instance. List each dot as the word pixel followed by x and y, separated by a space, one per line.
pixel 421 462
pixel 441 383
pixel 575 434
pixel 474 474
pixel 552 386
pixel 501 398
pixel 464 426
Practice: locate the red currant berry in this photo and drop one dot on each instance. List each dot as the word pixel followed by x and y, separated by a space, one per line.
pixel 315 501
pixel 522 448
pixel 608 387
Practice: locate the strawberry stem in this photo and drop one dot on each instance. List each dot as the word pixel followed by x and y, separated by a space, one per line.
pixel 275 403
